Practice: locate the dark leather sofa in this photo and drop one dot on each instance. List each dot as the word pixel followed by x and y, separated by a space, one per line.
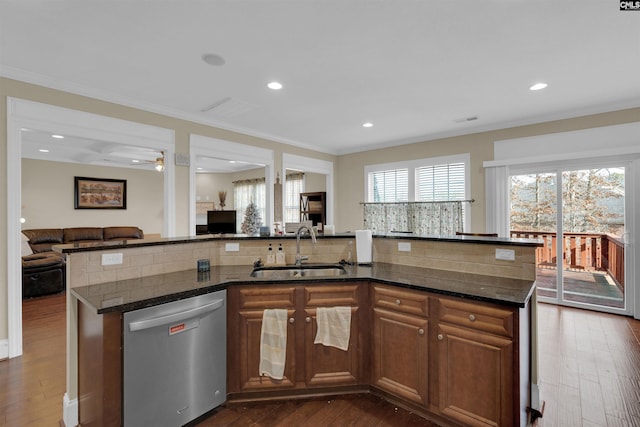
pixel 43 272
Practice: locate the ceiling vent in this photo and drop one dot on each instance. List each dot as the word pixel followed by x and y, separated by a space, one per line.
pixel 228 107
pixel 466 119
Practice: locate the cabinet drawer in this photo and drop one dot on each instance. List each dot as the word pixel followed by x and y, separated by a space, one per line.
pixel 329 296
pixel 478 315
pixel 261 297
pixel 401 300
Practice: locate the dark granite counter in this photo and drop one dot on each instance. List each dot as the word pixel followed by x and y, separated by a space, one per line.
pixel 133 294
pixel 118 244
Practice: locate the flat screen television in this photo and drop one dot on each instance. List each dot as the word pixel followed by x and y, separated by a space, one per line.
pixel 221 222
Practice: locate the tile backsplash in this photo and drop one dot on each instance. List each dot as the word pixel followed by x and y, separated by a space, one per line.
pixel 85 268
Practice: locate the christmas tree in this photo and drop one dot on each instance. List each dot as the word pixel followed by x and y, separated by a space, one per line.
pixel 252 220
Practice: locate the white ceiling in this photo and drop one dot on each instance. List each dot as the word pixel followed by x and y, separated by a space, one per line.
pixel 43 145
pixel 416 69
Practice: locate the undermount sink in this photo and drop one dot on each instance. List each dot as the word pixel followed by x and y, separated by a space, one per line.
pixel 305 270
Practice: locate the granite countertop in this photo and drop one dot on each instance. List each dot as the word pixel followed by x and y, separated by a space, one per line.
pixel 119 244
pixel 134 294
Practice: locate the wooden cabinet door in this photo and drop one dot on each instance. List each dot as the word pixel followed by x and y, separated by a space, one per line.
pixel 330 366
pixel 246 305
pixel 400 356
pixel 248 356
pixel 475 377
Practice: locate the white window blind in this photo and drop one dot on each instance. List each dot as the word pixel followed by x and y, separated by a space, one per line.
pixel 440 183
pixel 389 186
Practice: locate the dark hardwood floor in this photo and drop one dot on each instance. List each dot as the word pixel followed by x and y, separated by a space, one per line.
pixel 350 410
pixel 589 368
pixel 32 386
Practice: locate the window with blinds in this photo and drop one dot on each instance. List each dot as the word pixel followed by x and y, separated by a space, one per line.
pixel 435 179
pixel 440 183
pixel 389 186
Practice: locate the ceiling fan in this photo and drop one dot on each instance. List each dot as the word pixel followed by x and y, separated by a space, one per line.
pixel 158 163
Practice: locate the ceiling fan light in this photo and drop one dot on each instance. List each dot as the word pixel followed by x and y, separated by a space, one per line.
pixel 160 163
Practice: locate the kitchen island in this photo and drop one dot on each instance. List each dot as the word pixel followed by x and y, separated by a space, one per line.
pixel 450 344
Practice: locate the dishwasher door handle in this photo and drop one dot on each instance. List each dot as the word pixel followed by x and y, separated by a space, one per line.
pixel 175 317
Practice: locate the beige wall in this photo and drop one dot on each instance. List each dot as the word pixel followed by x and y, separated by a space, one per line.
pixel 350 170
pixel 208 185
pixel 314 182
pixel 48 197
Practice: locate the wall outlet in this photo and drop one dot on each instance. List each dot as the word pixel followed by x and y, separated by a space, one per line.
pixel 232 247
pixel 506 254
pixel 404 246
pixel 112 259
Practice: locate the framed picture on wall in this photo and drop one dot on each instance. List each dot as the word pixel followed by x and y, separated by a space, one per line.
pixel 100 193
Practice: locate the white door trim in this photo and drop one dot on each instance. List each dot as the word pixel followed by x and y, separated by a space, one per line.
pixel 206 146
pixel 308 164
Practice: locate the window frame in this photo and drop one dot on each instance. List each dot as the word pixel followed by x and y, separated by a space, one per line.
pixel 412 166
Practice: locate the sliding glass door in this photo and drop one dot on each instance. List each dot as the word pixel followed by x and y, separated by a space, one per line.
pixel 579 213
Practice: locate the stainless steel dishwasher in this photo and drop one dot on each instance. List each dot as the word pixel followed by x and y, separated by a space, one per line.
pixel 175 361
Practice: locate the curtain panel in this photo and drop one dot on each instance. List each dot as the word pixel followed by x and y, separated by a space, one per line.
pixel 421 218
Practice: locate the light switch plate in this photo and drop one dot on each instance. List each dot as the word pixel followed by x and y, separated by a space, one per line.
pixel 404 246
pixel 506 254
pixel 232 247
pixel 112 259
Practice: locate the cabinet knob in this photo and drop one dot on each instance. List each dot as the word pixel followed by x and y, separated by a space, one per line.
pixel 291 320
pixel 472 317
pixel 308 319
pixel 440 337
pixel 397 302
pixel 420 331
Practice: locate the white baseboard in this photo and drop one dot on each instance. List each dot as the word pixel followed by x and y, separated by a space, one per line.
pixel 4 349
pixel 69 411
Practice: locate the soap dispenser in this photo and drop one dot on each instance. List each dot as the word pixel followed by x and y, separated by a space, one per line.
pixel 271 259
pixel 280 260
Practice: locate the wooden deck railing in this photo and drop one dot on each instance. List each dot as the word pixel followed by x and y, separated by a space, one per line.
pixel 582 251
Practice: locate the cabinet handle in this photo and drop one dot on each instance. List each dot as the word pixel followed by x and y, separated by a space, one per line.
pixel 397 302
pixel 420 331
pixel 440 337
pixel 291 320
pixel 308 320
pixel 472 317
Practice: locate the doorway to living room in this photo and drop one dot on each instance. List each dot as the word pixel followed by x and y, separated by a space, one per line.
pixel 23 114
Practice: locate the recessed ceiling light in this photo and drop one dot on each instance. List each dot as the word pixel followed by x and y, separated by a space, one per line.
pixel 538 86
pixel 135 161
pixel 42 150
pixel 57 136
pixel 367 125
pixel 275 85
pixel 213 59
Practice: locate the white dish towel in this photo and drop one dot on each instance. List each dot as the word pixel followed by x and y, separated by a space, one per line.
pixel 273 343
pixel 334 327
